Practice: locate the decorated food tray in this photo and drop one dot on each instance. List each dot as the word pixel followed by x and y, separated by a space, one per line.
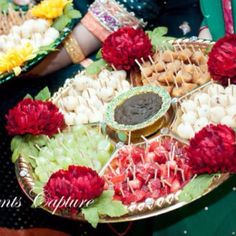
pixel 28 36
pixel 105 149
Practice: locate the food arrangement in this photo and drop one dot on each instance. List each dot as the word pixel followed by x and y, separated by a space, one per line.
pixel 27 37
pixel 59 154
pixel 213 104
pixel 179 69
pixel 147 172
pixel 87 98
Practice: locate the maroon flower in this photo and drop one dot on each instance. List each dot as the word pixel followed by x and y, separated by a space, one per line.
pixel 213 149
pixel 126 45
pixel 77 183
pixel 221 62
pixel 34 117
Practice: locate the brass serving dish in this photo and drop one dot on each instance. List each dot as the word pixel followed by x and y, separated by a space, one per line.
pixel 26 180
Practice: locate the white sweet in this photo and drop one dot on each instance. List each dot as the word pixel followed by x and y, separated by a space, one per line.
pixel 232 100
pixel 119 74
pixel 106 94
pixel 231 110
pixel 86 95
pixel 189 117
pixel 26 30
pixel 52 33
pixel 185 131
pixel 104 74
pixel 15 30
pixel 81 82
pixel 188 105
pixel 41 26
pixel 92 92
pixel 229 121
pixel 37 39
pixel 96 116
pixel 94 101
pixel 47 41
pixel 201 98
pixel 70 118
pixel 217 113
pixel 81 119
pixel 220 99
pixel 70 103
pixel 215 89
pixel 231 90
pixel 200 123
pixel 203 111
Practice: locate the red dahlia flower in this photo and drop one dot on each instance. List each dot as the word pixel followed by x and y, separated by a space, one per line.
pixel 213 149
pixel 34 117
pixel 221 62
pixel 77 183
pixel 126 45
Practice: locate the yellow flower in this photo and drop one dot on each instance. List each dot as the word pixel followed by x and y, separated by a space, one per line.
pixel 13 59
pixel 50 9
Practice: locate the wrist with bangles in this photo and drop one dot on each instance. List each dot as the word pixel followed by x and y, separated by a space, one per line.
pixel 73 49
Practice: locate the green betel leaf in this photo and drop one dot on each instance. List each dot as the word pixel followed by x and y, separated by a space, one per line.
pixel 16 142
pixel 91 215
pixel 61 22
pixel 96 67
pixel 99 54
pixel 28 96
pixel 43 95
pixel 104 205
pixel 196 187
pixel 74 14
pixel 160 31
pixel 4 4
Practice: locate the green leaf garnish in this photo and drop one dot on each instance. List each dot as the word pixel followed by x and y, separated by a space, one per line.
pixel 96 67
pixel 61 22
pixel 43 95
pixel 196 187
pixel 99 54
pixel 104 205
pixel 158 38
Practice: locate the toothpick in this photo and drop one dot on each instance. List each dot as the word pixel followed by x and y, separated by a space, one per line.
pixel 229 82
pixel 112 170
pixel 155 174
pixel 37 146
pixel 131 188
pixel 129 139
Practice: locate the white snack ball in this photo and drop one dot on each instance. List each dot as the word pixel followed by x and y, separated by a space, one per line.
pixel 81 82
pixel 231 110
pixel 215 89
pixel 124 85
pixel 204 110
pixel 41 25
pixel 47 41
pixel 231 90
pixel 37 40
pixel 189 117
pixel 201 98
pixel 81 119
pixel 52 33
pixel 119 74
pixel 200 123
pixel 86 95
pixel 70 103
pixel 104 74
pixel 113 83
pixel 216 114
pixel 229 121
pixel 92 92
pixel 70 118
pixel 96 116
pixel 106 94
pixel 232 100
pixel 94 101
pixel 82 101
pixel 220 99
pixel 188 105
pixel 185 131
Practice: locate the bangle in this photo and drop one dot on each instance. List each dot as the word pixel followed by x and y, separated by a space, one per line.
pixel 73 49
pixel 107 16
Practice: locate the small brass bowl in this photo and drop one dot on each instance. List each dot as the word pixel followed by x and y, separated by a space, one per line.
pixel 146 128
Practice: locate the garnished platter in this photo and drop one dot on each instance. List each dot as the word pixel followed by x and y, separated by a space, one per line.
pixel 77 144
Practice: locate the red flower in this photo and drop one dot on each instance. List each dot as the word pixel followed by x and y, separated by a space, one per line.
pixel 221 62
pixel 124 46
pixel 77 183
pixel 34 117
pixel 213 149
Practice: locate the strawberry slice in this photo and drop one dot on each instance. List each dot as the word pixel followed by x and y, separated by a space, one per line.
pixel 135 184
pixel 175 186
pixel 118 179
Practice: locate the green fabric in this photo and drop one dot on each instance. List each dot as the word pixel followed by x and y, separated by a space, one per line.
pixel 213 17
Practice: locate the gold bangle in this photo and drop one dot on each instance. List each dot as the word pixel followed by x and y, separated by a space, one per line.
pixel 73 49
